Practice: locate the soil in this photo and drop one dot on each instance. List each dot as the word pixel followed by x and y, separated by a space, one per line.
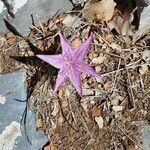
pixel 111 113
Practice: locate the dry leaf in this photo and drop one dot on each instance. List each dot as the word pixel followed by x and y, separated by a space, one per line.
pixel 117 108
pixel 143 69
pixel 96 112
pixel 71 21
pixel 99 121
pixel 11 39
pixel 2 41
pixel 108 85
pixel 98 60
pixel 87 92
pixel 146 55
pixel 122 23
pixel 39 123
pixel 102 10
pixel 76 43
pixel 50 147
pixel 60 119
pixel 56 108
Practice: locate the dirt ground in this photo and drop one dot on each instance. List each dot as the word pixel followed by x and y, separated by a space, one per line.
pixel 111 113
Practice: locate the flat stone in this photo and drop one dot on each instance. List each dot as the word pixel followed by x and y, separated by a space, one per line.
pixel 145 139
pixel 44 9
pixel 12 137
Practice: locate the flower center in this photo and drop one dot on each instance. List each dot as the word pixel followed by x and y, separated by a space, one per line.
pixel 68 63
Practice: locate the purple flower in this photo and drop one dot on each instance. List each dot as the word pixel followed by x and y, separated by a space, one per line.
pixel 71 63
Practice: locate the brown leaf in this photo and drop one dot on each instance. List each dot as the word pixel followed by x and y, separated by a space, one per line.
pixel 102 10
pixel 96 112
pixel 143 69
pixel 39 123
pixel 2 41
pixel 122 23
pixel 11 39
pixel 76 43
pixel 50 147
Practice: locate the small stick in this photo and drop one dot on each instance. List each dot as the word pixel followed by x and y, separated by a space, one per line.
pixel 127 67
pixel 114 82
pixel 132 99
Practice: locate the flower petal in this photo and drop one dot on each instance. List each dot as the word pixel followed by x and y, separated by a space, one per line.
pixel 85 68
pixel 54 60
pixel 61 77
pixel 66 48
pixel 75 79
pixel 81 51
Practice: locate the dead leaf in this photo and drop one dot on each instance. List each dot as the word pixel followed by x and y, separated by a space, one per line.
pixel 116 46
pixel 88 92
pixel 122 23
pixel 2 41
pixel 56 108
pixel 60 119
pixel 99 121
pixel 117 108
pixel 146 55
pixel 11 39
pixel 50 147
pixel 102 10
pixel 39 123
pixel 96 112
pixel 76 43
pixel 71 21
pixel 143 69
pixel 98 60
pixel 108 85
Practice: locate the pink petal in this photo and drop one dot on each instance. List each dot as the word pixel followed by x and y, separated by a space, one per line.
pixel 81 51
pixel 54 60
pixel 66 48
pixel 61 77
pixel 85 68
pixel 75 79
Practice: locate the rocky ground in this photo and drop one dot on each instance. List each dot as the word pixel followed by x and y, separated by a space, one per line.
pixel 113 112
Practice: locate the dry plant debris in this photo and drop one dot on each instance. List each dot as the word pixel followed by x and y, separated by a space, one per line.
pixel 111 113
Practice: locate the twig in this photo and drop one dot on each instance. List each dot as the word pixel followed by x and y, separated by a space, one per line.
pixel 114 82
pixel 40 24
pixel 85 125
pixel 127 67
pixel 132 99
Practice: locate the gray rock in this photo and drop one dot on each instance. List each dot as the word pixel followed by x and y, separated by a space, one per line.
pixel 12 137
pixel 44 9
pixel 145 139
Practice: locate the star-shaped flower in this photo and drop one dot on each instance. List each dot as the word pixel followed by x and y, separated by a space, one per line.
pixel 71 63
